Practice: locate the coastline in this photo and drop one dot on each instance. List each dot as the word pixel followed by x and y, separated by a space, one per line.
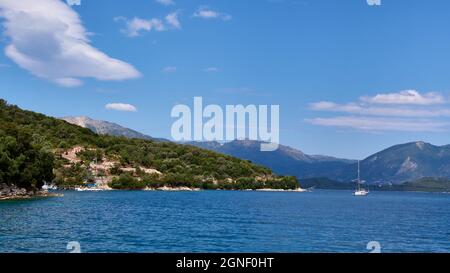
pixel 187 189
pixel 165 188
pixel 30 196
pixel 12 192
pixel 281 190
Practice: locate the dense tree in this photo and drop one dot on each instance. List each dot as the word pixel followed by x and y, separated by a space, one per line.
pixel 22 163
pixel 28 140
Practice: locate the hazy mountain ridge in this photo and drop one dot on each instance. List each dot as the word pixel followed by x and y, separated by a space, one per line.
pixel 401 163
pixel 425 184
pixel 107 128
pixel 282 161
pixel 394 165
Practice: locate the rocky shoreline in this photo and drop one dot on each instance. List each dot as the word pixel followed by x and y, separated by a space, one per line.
pixel 165 188
pixel 181 188
pixel 12 192
pixel 281 190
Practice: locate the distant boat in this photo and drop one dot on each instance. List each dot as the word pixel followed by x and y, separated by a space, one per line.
pixel 359 190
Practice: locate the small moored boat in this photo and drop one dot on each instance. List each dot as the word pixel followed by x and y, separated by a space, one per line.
pixel 359 190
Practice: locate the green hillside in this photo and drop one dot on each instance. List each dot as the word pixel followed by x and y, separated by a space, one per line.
pixel 426 184
pixel 33 146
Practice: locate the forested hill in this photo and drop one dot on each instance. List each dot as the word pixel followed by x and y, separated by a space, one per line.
pixel 33 146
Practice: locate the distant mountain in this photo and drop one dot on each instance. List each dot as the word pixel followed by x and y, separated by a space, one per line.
pixel 108 128
pixel 426 184
pixel 285 160
pixel 401 163
pixel 395 165
pixel 326 183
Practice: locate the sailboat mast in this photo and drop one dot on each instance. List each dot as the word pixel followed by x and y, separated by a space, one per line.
pixel 359 176
pixel 360 191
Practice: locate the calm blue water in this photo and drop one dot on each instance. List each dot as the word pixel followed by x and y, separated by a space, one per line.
pixel 225 221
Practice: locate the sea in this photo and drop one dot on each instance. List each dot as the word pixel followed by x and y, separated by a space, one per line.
pixel 227 221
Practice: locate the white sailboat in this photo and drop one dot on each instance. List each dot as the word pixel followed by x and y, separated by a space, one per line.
pixel 359 190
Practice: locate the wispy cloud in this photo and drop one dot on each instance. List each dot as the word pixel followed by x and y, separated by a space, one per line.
pixel 172 20
pixel 411 97
pixel 207 13
pixel 382 124
pixel 137 26
pixel 170 69
pixel 370 110
pixel 49 40
pixel 134 27
pixel 166 2
pixel 124 107
pixel 211 69
pixel 402 111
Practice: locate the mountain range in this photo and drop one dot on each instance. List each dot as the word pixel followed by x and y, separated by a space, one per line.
pixel 285 160
pixel 395 165
pixel 400 163
pixel 108 128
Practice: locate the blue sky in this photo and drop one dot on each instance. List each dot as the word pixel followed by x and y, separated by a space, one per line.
pixel 351 79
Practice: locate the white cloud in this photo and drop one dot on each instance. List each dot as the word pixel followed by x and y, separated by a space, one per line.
pixel 406 97
pixel 134 27
pixel 382 124
pixel 49 40
pixel 170 69
pixel 402 111
pixel 166 2
pixel 207 13
pixel 364 109
pixel 172 19
pixel 121 107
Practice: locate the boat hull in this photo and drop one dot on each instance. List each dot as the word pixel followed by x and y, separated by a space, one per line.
pixel 361 193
